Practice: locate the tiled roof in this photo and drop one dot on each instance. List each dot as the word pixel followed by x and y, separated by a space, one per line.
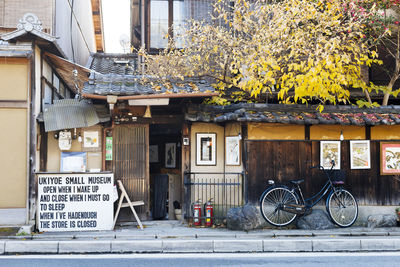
pixel 295 114
pixel 114 74
pixel 114 84
pixel 106 63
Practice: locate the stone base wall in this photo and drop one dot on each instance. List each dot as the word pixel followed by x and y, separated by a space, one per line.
pixel 363 213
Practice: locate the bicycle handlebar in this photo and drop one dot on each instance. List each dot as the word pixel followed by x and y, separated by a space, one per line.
pixel 322 167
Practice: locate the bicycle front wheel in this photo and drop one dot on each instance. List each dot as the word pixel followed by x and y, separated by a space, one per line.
pixel 342 207
pixel 271 204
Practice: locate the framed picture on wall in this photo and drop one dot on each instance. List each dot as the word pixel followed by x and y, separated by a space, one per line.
pixel 360 154
pixel 170 155
pixel 330 150
pixel 91 139
pixel 206 149
pixel 232 150
pixel 390 158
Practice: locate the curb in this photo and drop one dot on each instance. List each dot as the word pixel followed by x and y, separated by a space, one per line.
pixel 150 236
pixel 199 246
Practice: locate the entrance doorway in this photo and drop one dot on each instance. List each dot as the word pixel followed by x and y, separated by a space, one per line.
pixel 130 164
pixel 165 170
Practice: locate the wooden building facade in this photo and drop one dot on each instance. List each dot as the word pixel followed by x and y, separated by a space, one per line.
pixel 282 142
pixel 142 140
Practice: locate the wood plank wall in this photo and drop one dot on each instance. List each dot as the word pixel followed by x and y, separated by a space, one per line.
pixel 286 160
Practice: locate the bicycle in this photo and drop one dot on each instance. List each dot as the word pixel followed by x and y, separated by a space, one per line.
pixel 281 204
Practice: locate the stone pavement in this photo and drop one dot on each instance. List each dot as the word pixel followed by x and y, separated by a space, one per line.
pixel 175 237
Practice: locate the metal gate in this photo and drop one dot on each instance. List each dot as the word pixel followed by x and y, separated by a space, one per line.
pixel 131 164
pixel 224 189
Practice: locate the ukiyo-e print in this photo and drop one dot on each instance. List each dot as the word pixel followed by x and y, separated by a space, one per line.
pixel 330 150
pixel 170 155
pixel 232 150
pixel 360 154
pixel 390 158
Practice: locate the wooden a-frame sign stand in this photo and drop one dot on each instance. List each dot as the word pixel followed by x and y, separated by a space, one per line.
pixel 127 204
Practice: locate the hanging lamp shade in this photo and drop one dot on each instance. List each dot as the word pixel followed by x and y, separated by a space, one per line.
pixel 147 114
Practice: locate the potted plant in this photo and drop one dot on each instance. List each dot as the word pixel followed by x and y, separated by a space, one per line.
pixel 178 210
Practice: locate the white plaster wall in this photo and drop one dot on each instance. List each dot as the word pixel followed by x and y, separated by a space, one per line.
pixel 220 167
pixel 230 129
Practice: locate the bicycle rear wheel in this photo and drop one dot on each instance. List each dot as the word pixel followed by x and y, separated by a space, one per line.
pixel 271 204
pixel 342 207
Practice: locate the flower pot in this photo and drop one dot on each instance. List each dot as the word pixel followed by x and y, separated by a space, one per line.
pixel 178 214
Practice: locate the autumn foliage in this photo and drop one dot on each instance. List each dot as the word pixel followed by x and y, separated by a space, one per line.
pixel 294 50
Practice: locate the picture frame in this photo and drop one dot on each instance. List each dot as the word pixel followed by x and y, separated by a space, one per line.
pixel 390 158
pixel 206 149
pixel 232 150
pixel 360 154
pixel 170 155
pixel 330 150
pixel 91 139
pixel 153 153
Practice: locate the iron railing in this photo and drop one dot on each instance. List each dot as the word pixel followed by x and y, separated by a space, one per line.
pixel 224 189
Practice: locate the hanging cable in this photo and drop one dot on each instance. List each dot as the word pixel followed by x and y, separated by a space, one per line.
pixel 77 23
pixel 70 29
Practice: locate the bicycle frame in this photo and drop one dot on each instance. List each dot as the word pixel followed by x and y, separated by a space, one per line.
pixel 313 200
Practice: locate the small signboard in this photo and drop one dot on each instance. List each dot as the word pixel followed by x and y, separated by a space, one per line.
pixel 109 144
pixel 75 201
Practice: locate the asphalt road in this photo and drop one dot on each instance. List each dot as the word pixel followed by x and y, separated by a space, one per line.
pixel 380 259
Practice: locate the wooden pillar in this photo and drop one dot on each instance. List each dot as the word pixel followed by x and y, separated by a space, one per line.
pixel 245 163
pixel 185 169
pixel 43 149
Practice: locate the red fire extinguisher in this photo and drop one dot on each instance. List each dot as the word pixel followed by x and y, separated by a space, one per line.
pixel 209 213
pixel 197 213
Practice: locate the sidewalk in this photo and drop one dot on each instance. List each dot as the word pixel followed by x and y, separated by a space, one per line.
pixel 174 237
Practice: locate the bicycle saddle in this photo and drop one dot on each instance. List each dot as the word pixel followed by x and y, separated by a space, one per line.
pixel 297 182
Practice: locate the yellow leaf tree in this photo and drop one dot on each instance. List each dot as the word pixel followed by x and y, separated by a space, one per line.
pixel 295 50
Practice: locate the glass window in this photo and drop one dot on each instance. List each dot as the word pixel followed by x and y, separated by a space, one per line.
pixel 47 99
pixel 159 24
pixel 56 82
pixel 183 10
